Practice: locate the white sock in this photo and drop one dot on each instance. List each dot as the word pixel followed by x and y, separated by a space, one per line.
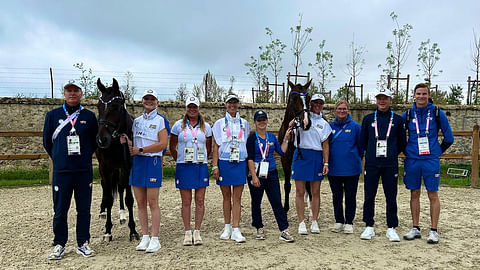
pixel 155 238
pixel 189 231
pixel 196 231
pixel 228 226
pixel 235 229
pixel 145 236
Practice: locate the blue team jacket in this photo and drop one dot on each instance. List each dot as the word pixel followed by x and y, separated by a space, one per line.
pixel 345 157
pixel 422 114
pixel 86 128
pixel 395 144
pixel 254 152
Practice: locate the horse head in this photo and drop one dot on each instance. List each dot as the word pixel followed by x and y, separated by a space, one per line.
pixel 298 105
pixel 112 114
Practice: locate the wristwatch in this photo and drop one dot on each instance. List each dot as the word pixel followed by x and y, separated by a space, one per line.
pixel 140 150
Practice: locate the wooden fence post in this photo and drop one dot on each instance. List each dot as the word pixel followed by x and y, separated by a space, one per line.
pixel 475 139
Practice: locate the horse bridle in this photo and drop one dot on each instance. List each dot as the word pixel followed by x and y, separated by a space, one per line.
pixel 296 117
pixel 104 122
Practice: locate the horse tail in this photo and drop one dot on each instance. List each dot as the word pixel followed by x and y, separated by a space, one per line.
pixel 115 182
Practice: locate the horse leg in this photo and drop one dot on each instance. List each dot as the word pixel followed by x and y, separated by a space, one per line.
pixel 107 194
pixel 102 214
pixel 131 220
pixel 122 213
pixel 287 187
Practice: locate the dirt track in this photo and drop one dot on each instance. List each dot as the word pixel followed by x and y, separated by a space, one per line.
pixel 26 235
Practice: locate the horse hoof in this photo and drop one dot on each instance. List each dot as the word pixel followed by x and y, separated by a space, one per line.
pixel 122 221
pixel 107 237
pixel 103 215
pixel 134 236
pixel 123 216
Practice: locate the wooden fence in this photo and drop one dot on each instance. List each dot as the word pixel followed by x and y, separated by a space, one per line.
pixel 473 156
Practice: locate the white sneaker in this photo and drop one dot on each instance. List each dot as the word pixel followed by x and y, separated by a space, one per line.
pixel 337 227
pixel 368 233
pixel 260 234
pixel 412 234
pixel 154 245
pixel 85 250
pixel 392 235
pixel 227 232
pixel 302 228
pixel 197 239
pixel 57 252
pixel 144 243
pixel 314 227
pixel 432 237
pixel 237 236
pixel 188 240
pixel 285 236
pixel 348 228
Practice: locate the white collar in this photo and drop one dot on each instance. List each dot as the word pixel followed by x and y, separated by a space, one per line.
pixel 150 115
pixel 232 119
pixel 316 116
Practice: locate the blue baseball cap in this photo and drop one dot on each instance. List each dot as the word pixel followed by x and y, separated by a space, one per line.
pixel 259 114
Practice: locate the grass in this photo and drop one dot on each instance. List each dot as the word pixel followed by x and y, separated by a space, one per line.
pixel 31 177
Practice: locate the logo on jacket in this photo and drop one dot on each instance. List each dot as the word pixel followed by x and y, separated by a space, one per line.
pixel 152 126
pixel 83 122
pixel 319 126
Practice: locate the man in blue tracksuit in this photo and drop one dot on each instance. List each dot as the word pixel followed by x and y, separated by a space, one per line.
pixel 382 137
pixel 69 138
pixel 422 157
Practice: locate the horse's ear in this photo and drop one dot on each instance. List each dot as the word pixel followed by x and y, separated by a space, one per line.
pixel 307 85
pixel 100 85
pixel 115 84
pixel 291 84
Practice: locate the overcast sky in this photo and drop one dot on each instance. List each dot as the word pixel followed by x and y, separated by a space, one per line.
pixel 165 43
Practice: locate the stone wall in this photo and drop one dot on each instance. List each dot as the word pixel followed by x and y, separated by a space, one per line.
pixel 22 114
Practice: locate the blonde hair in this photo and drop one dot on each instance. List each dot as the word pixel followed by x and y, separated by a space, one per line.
pixel 200 120
pixel 340 102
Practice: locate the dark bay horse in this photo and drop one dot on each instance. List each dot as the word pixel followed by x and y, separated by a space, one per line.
pixel 113 157
pixel 298 108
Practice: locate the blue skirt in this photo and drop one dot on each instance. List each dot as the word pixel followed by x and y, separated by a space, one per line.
pixel 146 171
pixel 232 173
pixel 310 168
pixel 191 176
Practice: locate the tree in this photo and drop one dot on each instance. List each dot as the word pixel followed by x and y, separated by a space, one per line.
pixel 87 81
pixel 428 56
pixel 128 90
pixel 475 63
pixel 257 68
pixel 323 66
pixel 273 57
pixel 197 91
pixel 213 92
pixel 181 93
pixel 397 50
pixel 455 96
pixel 355 64
pixel 300 39
pixel 439 96
pixel 230 90
pixel 342 93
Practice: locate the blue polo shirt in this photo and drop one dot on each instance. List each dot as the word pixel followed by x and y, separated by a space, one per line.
pixel 255 154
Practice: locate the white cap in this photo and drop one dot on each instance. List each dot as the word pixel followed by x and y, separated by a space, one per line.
pixel 384 92
pixel 72 82
pixel 318 97
pixel 230 97
pixel 150 92
pixel 192 100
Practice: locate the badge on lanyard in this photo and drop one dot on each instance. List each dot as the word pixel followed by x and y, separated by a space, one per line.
pixel 200 155
pixel 189 154
pixel 235 154
pixel 381 148
pixel 423 146
pixel 73 144
pixel 263 169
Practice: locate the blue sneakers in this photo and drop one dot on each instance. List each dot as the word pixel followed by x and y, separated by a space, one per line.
pixel 57 253
pixel 85 250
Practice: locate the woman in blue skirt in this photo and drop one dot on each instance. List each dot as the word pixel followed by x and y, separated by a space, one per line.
pixel 314 164
pixel 230 166
pixel 150 138
pixel 190 145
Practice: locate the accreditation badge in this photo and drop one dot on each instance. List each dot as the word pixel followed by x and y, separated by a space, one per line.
pixel 235 154
pixel 381 148
pixel 189 154
pixel 200 155
pixel 423 146
pixel 73 145
pixel 263 169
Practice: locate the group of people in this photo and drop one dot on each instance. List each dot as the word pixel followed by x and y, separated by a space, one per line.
pixel 240 157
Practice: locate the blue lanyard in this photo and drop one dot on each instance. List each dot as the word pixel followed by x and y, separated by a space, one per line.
pixel 338 133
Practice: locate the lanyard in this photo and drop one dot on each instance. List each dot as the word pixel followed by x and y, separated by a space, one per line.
pixel 416 123
pixel 72 118
pixel 229 132
pixel 340 131
pixel 194 134
pixel 376 125
pixel 263 152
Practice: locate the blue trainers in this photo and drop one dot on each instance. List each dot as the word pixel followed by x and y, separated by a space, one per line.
pixel 57 253
pixel 85 250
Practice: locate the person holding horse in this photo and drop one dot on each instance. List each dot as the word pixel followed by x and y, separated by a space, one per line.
pixel 150 138
pixel 69 138
pixel 422 152
pixel 345 166
pixel 230 166
pixel 190 146
pixel 263 175
pixel 310 162
pixel 382 138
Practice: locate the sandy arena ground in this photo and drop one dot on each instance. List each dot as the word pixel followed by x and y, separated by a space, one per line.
pixel 26 236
